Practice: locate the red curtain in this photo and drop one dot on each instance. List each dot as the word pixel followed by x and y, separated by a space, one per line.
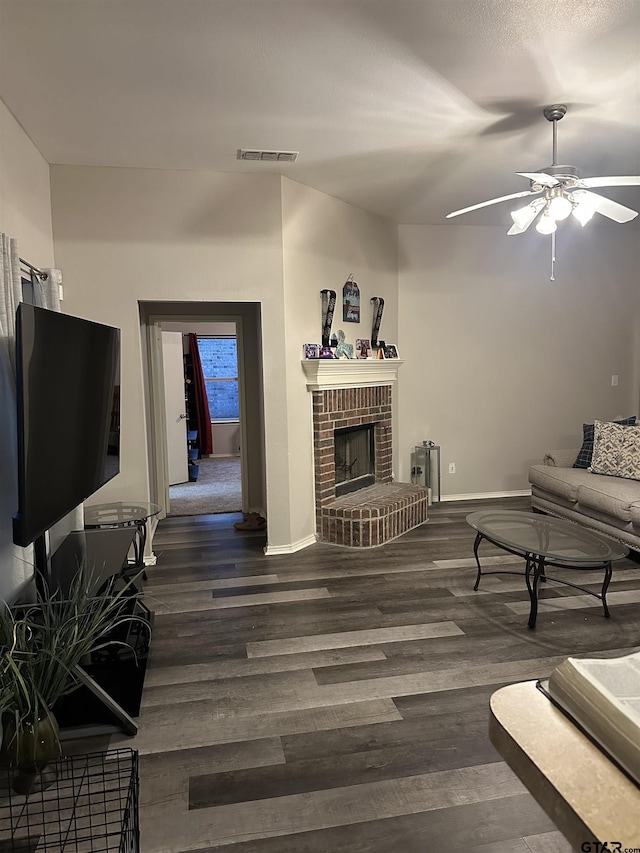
pixel 205 438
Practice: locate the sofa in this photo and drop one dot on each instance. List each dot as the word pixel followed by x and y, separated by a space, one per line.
pixel 606 503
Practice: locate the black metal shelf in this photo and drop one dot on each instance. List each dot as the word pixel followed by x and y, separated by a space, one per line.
pixel 89 804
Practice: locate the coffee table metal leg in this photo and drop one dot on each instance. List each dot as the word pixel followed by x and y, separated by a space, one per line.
pixel 608 571
pixel 475 551
pixel 527 573
pixel 538 569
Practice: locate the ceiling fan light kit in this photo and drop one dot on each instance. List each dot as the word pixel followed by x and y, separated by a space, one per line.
pixel 583 209
pixel 559 206
pixel 563 192
pixel 546 223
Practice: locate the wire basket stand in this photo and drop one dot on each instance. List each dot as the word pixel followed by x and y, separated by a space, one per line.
pixel 91 806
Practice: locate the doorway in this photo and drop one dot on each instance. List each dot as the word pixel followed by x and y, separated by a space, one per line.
pixel 247 462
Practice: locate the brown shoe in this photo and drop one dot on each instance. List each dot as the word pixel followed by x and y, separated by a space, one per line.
pixel 252 521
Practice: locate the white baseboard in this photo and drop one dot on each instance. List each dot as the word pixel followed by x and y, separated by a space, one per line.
pixel 478 496
pixel 151 560
pixel 273 550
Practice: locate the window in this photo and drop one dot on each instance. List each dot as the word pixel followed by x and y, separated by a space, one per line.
pixel 219 357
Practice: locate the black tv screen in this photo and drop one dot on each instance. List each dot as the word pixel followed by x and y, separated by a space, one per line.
pixel 68 392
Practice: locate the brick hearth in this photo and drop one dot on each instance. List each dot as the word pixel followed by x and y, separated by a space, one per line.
pixel 376 514
pixel 373 515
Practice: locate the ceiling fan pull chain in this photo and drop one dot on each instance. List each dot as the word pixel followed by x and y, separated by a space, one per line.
pixel 553 256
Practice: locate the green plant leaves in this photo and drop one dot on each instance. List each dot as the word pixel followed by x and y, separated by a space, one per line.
pixel 41 644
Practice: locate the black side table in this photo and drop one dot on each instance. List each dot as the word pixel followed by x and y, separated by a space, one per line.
pixel 124 514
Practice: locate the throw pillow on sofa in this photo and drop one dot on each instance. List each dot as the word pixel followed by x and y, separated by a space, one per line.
pixel 616 450
pixel 583 459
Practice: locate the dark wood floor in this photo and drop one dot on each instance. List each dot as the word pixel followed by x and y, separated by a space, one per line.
pixel 337 700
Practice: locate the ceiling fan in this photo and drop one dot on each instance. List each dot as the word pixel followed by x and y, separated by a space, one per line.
pixel 561 192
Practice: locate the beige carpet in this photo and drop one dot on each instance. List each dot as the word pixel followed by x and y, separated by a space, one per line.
pixel 217 489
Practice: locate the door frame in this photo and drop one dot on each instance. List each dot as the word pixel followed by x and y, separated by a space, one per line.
pixel 177 428
pixel 157 425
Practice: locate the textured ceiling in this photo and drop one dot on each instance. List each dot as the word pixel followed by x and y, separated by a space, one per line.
pixel 408 108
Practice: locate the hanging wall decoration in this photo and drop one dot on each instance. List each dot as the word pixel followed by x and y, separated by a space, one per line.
pixel 351 301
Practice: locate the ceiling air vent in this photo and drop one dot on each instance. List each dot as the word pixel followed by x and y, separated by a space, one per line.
pixel 270 156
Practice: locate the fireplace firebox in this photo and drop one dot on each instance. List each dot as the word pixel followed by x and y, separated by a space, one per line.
pixel 354 458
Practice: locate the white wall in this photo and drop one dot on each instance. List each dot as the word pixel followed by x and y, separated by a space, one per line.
pixel 125 235
pixel 324 241
pixel 25 196
pixel 25 213
pixel 504 364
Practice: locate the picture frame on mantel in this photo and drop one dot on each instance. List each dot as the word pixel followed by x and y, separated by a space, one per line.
pixel 363 347
pixel 391 351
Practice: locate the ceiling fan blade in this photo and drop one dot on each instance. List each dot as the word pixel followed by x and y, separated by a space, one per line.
pixel 607 207
pixel 491 201
pixel 540 178
pixel 523 218
pixel 619 181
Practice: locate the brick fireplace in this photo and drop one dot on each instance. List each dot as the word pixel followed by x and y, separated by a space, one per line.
pixel 379 512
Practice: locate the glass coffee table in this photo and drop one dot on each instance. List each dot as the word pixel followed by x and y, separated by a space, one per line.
pixel 542 541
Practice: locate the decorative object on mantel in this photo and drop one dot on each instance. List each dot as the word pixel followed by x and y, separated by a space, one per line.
pixel 381 348
pixel 311 350
pixel 351 301
pixel 363 347
pixel 343 349
pixel 377 319
pixel 391 351
pixel 328 307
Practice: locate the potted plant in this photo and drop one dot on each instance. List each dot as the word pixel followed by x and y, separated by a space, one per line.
pixel 41 644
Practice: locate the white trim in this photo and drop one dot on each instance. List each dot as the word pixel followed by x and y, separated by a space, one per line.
pixel 478 496
pixel 150 560
pixel 274 550
pixel 325 374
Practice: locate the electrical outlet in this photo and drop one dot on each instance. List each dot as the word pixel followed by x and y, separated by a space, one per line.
pixel 452 467
pixel 614 379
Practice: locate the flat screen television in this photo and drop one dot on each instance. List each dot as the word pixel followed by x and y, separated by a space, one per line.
pixel 68 393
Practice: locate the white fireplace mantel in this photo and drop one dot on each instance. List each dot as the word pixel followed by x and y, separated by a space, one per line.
pixel 325 374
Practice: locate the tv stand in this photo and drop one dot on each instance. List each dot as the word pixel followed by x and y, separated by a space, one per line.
pixel 111 687
pixel 126 723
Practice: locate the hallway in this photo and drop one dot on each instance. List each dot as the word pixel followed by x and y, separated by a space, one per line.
pixel 217 489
